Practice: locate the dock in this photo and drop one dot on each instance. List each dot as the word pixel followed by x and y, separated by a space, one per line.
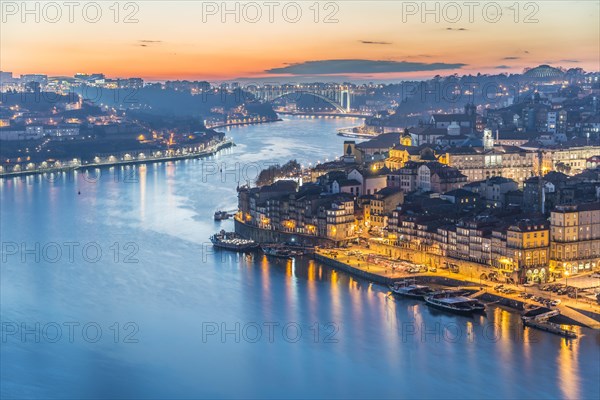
pixel 381 274
pixel 579 317
pixel 541 322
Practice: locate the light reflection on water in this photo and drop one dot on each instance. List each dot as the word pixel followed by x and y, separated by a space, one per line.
pixel 383 347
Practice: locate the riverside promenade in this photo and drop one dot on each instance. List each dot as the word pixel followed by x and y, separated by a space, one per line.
pixel 71 166
pixel 384 274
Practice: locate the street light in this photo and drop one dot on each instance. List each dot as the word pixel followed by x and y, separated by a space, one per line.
pixel 566 279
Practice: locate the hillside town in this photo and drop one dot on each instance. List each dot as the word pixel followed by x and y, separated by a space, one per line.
pixel 514 190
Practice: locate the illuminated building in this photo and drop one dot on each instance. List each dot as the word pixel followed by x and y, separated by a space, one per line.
pixel 479 163
pixel 526 251
pixel 575 234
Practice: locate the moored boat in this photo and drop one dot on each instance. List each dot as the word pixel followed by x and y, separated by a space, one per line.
pixel 279 251
pixel 457 304
pixel 412 291
pixel 232 241
pixel 545 325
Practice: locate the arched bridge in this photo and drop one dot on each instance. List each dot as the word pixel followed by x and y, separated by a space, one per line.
pixel 339 98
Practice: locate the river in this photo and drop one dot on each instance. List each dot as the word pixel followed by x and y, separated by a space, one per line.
pixel 109 288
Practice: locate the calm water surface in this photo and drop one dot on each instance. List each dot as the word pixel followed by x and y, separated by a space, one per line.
pixel 116 293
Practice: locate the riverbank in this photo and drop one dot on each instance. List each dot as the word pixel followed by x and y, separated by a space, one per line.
pixel 335 115
pixel 244 123
pixel 211 150
pixel 384 275
pixel 270 236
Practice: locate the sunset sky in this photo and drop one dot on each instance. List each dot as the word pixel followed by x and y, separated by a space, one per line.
pixel 370 40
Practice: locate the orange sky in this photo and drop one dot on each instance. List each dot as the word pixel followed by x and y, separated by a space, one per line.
pixel 182 40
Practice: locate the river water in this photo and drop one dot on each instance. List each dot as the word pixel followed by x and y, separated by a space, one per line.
pixel 109 288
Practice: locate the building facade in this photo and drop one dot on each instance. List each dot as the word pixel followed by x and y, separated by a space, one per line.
pixel 575 235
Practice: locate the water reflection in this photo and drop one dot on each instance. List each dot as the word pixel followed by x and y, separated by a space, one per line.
pixel 385 347
pixel 568 369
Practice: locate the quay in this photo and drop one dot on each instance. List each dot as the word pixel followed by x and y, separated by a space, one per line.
pixel 376 263
pixel 72 166
pixel 373 275
pixel 381 274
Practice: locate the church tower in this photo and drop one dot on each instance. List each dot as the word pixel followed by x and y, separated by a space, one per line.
pixel 406 139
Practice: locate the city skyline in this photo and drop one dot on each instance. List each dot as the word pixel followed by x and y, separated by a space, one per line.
pixel 201 46
pixel 300 199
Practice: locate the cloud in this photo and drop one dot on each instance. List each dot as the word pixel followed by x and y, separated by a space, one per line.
pixel 456 29
pixel 503 67
pixel 146 43
pixel 511 58
pixel 569 61
pixel 372 42
pixel 328 67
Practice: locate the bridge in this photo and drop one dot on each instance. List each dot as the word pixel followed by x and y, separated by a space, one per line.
pixel 338 96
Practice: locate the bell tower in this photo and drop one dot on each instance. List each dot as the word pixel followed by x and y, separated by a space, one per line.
pixel 406 139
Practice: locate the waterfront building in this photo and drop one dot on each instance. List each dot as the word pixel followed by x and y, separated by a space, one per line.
pixel 304 212
pixel 340 222
pixel 524 253
pixel 575 238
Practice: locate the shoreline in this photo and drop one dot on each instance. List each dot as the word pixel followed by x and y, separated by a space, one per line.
pixel 576 316
pixel 204 153
pixel 244 123
pixel 322 114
